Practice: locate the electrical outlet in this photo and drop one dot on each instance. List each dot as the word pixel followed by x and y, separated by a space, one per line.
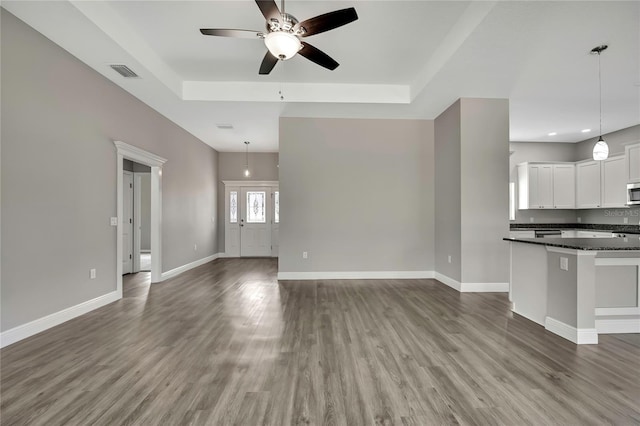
pixel 449 258
pixel 579 219
pixel 564 263
pixel 114 221
pixel 531 219
pixel 92 274
pixel 305 255
pixel 625 220
pixel 195 247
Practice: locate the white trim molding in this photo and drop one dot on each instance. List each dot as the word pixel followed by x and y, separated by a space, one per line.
pixel 454 284
pixel 631 310
pixel 618 325
pixel 141 156
pixel 579 336
pixel 356 275
pixel 180 269
pixel 472 287
pixel 251 182
pixel 41 324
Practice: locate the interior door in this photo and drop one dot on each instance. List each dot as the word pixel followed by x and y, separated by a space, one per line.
pixel 255 221
pixel 127 222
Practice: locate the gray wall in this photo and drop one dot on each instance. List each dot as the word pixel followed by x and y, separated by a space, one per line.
pixel 447 131
pixel 615 140
pixel 540 151
pixel 55 219
pixel 356 194
pixel 484 190
pixel 262 165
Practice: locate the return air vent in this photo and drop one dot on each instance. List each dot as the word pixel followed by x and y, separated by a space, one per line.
pixel 124 71
pixel 224 126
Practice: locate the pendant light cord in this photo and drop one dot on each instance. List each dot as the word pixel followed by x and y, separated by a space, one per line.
pixel 600 90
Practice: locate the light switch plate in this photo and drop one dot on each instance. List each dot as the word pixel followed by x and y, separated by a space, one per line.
pixel 564 263
pixel 114 221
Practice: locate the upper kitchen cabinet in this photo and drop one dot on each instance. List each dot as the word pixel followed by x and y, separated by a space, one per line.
pixel 632 163
pixel 546 186
pixel 601 184
pixel 614 182
pixel 588 184
pixel 564 186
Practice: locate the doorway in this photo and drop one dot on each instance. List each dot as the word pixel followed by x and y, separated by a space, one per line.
pixel 135 154
pixel 252 216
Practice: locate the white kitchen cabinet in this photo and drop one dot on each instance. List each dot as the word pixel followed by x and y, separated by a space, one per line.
pixel 588 184
pixel 632 163
pixel 546 186
pixel 613 182
pixel 564 186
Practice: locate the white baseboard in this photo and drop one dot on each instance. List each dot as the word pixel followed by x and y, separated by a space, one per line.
pixel 145 251
pixel 631 310
pixel 485 288
pixel 454 284
pixel 579 336
pixel 527 316
pixel 180 269
pixel 355 275
pixel 618 325
pixel 34 327
pixel 472 287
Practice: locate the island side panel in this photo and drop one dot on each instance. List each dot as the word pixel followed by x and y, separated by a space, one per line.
pixel 571 295
pixel 529 281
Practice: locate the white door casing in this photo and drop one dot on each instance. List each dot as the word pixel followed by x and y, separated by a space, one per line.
pixel 156 162
pixel 247 238
pixel 127 222
pixel 275 221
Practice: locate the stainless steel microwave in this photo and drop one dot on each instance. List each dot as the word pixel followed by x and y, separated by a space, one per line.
pixel 633 194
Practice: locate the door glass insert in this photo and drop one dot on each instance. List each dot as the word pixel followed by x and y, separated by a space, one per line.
pixel 233 206
pixel 256 207
pixel 276 203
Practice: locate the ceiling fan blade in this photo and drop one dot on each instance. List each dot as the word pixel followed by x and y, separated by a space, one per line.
pixel 269 9
pixel 224 32
pixel 268 62
pixel 328 21
pixel 318 56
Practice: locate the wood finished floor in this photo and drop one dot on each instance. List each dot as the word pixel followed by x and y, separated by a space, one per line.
pixel 226 343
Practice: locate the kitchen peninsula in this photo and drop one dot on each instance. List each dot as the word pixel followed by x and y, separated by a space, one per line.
pixel 577 287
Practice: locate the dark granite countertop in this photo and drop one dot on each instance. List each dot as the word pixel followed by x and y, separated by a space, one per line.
pixel 631 243
pixel 632 229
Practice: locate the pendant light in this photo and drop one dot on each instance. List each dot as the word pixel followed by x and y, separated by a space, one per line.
pixel 247 173
pixel 600 149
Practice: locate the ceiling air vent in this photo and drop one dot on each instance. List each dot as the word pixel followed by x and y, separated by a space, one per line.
pixel 124 71
pixel 224 126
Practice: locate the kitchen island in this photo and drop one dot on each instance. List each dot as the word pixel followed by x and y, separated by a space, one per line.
pixel 577 287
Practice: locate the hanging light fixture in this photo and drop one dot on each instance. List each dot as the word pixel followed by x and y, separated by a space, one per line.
pixel 247 173
pixel 600 149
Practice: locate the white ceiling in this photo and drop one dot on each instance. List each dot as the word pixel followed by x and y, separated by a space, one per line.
pixel 400 59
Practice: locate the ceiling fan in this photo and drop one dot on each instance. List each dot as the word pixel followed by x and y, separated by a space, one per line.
pixel 284 31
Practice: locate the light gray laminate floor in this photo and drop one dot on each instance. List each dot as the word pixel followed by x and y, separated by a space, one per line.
pixel 226 343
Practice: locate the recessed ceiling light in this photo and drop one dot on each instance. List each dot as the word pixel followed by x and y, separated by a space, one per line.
pixel 585 130
pixel 553 133
pixel 224 126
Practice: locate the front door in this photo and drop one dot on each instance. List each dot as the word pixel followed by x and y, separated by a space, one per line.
pixel 255 221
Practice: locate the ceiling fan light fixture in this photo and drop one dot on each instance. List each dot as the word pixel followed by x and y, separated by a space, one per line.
pixel 282 45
